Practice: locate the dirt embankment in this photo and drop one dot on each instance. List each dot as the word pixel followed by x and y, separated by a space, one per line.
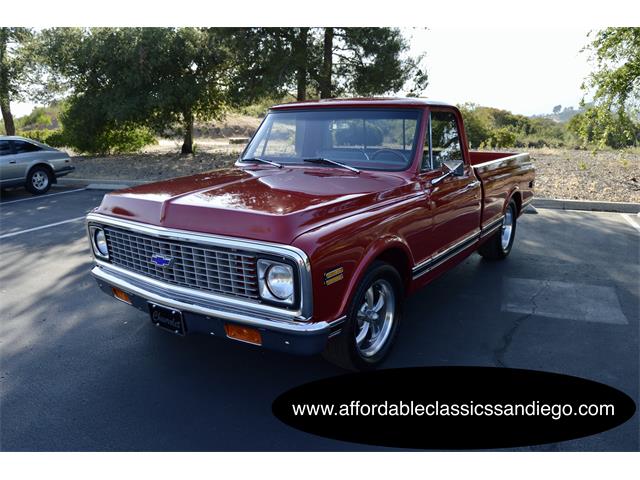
pixel 612 176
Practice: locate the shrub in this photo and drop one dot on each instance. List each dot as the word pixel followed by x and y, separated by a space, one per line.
pixel 604 128
pixel 53 138
pixel 494 128
pixel 503 138
pixel 123 139
pixel 40 118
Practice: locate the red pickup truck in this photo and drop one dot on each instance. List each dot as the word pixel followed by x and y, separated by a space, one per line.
pixel 333 214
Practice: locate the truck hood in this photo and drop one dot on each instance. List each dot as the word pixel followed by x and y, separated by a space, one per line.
pixel 259 203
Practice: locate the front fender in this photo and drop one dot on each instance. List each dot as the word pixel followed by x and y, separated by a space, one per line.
pixel 375 251
pixel 354 253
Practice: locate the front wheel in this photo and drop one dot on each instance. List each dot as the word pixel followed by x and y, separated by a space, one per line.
pixel 372 321
pixel 499 245
pixel 39 180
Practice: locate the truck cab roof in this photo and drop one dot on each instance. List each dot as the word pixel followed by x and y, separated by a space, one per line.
pixel 389 102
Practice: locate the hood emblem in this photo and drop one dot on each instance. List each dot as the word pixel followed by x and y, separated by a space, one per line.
pixel 161 260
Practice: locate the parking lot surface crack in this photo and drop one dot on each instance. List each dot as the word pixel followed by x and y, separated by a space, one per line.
pixel 500 353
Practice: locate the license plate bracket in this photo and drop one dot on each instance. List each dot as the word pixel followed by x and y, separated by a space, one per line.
pixel 167 318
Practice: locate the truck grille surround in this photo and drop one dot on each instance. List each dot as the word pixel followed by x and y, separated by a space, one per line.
pixel 203 267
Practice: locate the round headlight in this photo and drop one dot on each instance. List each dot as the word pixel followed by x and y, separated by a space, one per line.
pixel 101 242
pixel 280 281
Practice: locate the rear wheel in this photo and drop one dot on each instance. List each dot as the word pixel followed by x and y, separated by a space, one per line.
pixel 499 245
pixel 372 321
pixel 39 180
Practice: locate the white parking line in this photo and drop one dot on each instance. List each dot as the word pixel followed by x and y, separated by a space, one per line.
pixel 631 221
pixel 42 196
pixel 20 232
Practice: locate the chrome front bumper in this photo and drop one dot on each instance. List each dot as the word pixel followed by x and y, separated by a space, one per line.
pixel 209 316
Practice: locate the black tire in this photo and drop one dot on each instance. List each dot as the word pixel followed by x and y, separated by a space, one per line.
pixel 39 180
pixel 494 248
pixel 342 350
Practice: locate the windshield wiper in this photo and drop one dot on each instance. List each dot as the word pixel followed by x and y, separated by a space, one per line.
pixel 261 160
pixel 330 162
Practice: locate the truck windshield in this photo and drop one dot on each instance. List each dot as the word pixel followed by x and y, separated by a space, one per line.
pixel 365 139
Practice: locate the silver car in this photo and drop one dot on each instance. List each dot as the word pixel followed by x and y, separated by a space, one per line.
pixel 33 164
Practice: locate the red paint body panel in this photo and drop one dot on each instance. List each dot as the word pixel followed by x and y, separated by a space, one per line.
pixel 337 217
pixel 258 203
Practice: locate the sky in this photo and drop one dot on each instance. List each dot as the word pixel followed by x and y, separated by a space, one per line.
pixel 527 71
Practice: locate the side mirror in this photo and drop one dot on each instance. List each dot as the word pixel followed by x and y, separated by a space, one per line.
pixel 453 167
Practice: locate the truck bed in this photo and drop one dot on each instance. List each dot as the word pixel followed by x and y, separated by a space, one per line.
pixel 476 158
pixel 502 174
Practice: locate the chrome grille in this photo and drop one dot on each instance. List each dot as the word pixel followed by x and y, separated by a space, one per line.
pixel 202 267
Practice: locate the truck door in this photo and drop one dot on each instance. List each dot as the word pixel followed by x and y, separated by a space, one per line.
pixel 454 202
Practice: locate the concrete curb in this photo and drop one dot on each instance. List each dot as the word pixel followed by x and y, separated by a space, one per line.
pixel 101 184
pixel 106 186
pixel 562 204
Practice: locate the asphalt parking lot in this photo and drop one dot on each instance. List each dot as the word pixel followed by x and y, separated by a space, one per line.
pixel 81 371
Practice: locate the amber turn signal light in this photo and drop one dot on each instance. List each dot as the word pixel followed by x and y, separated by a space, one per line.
pixel 244 334
pixel 120 295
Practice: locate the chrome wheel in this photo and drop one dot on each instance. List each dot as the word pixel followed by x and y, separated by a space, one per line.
pixel 375 317
pixel 507 229
pixel 40 180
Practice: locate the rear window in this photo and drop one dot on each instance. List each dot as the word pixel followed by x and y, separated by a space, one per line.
pixel 25 147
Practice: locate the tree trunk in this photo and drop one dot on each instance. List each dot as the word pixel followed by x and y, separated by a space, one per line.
pixel 187 144
pixel 301 59
pixel 5 104
pixel 9 126
pixel 327 64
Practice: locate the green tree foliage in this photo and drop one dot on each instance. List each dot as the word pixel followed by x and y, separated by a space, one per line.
pixel 141 78
pixel 160 78
pixel 330 61
pixel 494 128
pixel 154 78
pixel 53 138
pixel 16 64
pixel 41 118
pixel 597 126
pixel 612 120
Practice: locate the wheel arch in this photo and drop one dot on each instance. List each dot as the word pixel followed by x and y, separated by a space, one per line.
pixel 40 163
pixel 391 250
pixel 516 196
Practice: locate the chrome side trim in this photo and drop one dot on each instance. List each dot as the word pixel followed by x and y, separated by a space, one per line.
pixel 209 308
pixel 303 313
pixel 436 260
pixel 492 227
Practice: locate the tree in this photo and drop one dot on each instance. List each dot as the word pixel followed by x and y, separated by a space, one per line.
pixel 615 83
pixel 15 66
pixel 332 61
pixel 372 61
pixel 557 109
pixel 162 79
pixel 300 51
pixel 603 128
pixel 491 127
